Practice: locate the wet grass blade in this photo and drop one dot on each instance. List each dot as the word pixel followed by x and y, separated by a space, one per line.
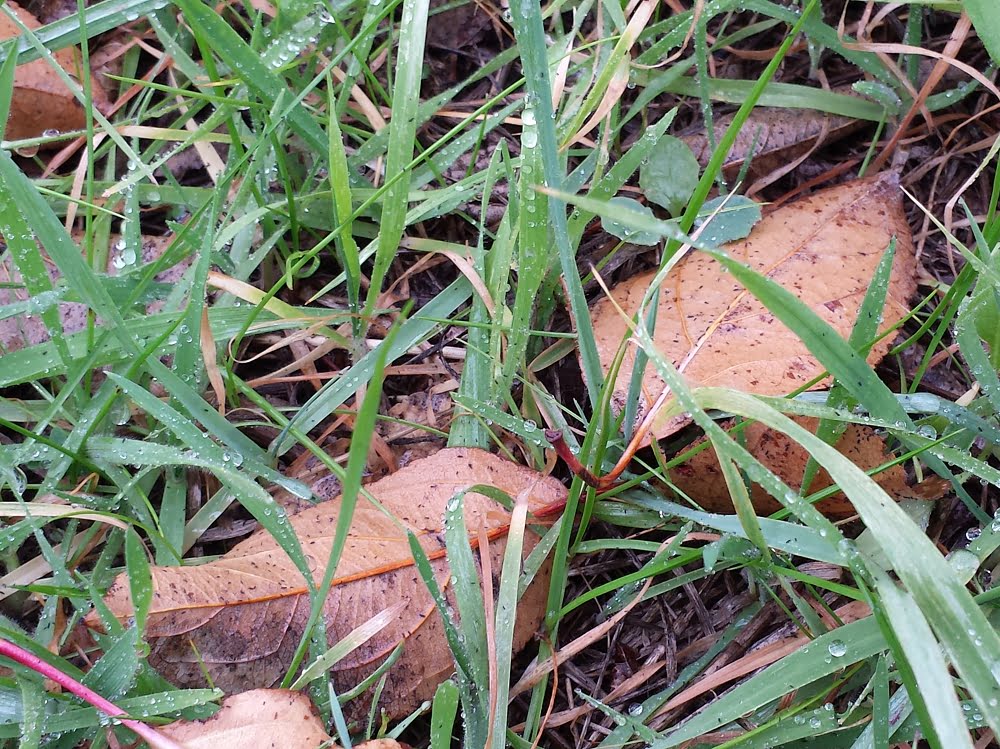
pixel 987 24
pixel 529 33
pixel 402 136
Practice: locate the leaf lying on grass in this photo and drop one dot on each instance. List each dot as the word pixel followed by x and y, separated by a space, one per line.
pixel 824 248
pixel 41 100
pixel 260 719
pixel 26 328
pixel 701 479
pixel 772 137
pixel 241 617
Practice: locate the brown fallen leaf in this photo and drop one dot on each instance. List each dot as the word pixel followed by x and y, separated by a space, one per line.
pixel 258 719
pixel 774 136
pixel 261 719
pixel 20 331
pixel 702 480
pixel 41 101
pixel 824 248
pixel 242 616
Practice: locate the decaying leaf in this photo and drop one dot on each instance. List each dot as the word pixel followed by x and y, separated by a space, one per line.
pixel 772 136
pixel 41 100
pixel 261 719
pixel 701 479
pixel 824 248
pixel 28 329
pixel 242 616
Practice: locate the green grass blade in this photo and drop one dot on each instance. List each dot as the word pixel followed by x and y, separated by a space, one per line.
pixel 345 646
pixel 532 256
pixel 343 210
pixel 413 331
pixel 357 460
pixel 140 579
pixel 476 382
pixel 219 37
pixel 865 331
pixel 796 670
pixel 987 24
pixel 111 451
pixel 99 18
pixel 959 624
pixel 443 712
pixel 529 33
pixel 714 166
pixel 402 135
pixel 506 615
pixel 6 87
pixel 928 665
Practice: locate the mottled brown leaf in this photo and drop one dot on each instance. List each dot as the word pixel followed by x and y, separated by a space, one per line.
pixel 773 136
pixel 243 615
pixel 824 248
pixel 41 101
pixel 701 479
pixel 261 719
pixel 27 330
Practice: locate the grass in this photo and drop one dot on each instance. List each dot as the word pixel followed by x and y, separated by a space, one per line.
pixel 361 192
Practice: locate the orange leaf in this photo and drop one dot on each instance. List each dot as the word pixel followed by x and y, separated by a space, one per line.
pixel 701 479
pixel 41 100
pixel 824 248
pixel 242 616
pixel 261 719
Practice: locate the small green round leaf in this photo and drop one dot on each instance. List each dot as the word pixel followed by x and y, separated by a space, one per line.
pixel 622 229
pixel 670 175
pixel 734 221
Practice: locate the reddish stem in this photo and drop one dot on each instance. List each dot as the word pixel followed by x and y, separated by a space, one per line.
pixel 19 655
pixel 601 483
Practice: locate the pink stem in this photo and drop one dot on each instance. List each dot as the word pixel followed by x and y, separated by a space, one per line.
pixel 18 654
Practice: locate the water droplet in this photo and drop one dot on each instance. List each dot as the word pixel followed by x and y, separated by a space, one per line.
pixel 635 709
pixel 964 562
pixel 837 648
